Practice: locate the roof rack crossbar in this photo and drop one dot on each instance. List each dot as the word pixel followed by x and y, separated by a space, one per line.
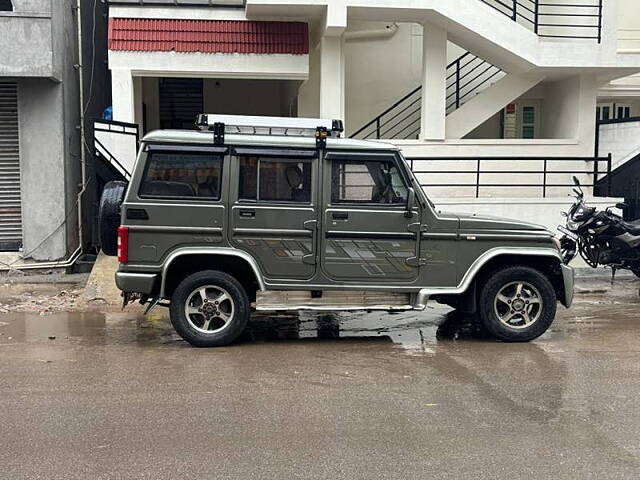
pixel 276 126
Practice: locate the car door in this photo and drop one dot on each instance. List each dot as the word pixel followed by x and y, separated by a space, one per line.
pixel 273 216
pixel 367 235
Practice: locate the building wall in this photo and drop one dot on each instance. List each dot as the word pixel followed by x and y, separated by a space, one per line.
pixel 49 116
pixel 27 40
pixel 628 25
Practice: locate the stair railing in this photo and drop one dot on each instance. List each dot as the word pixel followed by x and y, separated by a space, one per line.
pixel 553 20
pixel 467 76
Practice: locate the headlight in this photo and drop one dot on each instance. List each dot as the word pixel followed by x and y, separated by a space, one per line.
pixel 573 225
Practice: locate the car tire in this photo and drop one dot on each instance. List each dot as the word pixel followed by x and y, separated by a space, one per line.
pixel 517 304
pixel 109 216
pixel 210 309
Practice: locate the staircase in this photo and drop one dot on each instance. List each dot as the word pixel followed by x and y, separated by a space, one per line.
pixel 467 76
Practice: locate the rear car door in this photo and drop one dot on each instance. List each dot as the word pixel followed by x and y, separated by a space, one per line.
pixel 366 235
pixel 273 215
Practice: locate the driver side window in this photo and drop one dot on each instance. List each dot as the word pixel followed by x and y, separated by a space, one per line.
pixel 367 182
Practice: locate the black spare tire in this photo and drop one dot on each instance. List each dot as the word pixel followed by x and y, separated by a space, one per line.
pixel 109 216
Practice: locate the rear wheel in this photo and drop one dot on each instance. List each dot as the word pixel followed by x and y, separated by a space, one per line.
pixel 210 309
pixel 517 304
pixel 109 216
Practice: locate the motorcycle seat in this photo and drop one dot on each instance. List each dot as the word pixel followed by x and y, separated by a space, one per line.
pixel 632 227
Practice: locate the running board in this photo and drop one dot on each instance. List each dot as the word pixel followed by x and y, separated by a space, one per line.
pixel 333 300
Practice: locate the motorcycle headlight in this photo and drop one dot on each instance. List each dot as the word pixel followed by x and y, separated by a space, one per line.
pixel 573 225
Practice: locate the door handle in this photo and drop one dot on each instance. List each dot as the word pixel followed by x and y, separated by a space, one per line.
pixel 340 216
pixel 247 213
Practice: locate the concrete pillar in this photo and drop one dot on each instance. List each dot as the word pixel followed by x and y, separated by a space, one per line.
pixel 434 83
pixel 123 95
pixel 332 77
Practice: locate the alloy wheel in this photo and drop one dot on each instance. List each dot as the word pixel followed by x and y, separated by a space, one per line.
pixel 209 309
pixel 518 305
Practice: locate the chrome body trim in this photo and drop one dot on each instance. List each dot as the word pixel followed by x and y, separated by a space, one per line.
pixel 232 252
pixel 272 231
pixel 425 293
pixel 149 228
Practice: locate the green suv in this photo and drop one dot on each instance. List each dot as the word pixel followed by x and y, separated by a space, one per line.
pixel 274 214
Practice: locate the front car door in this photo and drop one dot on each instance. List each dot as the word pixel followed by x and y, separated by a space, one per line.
pixel 367 237
pixel 273 215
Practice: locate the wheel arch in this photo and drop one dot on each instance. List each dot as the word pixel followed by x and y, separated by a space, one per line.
pixel 186 261
pixel 546 260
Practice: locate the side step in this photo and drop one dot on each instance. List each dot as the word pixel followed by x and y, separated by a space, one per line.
pixel 333 300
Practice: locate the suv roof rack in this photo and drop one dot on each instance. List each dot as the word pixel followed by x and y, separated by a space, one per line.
pixel 279 126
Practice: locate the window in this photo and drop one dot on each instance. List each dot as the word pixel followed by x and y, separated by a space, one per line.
pixel 528 122
pixel 6 6
pixel 182 175
pixel 367 182
pixel 275 179
pixel 623 112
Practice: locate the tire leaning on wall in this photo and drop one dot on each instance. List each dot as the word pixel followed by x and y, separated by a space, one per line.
pixel 109 215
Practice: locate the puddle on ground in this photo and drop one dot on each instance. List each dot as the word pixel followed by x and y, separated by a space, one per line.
pixel 597 313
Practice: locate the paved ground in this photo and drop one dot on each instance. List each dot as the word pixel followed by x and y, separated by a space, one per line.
pixel 350 396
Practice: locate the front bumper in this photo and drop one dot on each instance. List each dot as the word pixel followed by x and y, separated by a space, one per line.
pixel 144 283
pixel 568 277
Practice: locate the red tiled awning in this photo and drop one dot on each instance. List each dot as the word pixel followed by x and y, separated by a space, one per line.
pixel 208 36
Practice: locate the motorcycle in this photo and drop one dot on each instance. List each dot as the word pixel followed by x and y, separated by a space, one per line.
pixel 600 237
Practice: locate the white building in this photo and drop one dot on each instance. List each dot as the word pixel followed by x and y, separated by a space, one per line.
pixel 496 104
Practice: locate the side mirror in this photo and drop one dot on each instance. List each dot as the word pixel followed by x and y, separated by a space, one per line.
pixel 411 203
pixel 622 206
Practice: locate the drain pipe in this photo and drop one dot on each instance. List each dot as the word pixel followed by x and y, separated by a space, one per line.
pixel 83 141
pixel 69 262
pixel 382 33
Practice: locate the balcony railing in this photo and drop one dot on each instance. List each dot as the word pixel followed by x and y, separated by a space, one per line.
pixel 549 18
pixel 537 175
pixel 178 3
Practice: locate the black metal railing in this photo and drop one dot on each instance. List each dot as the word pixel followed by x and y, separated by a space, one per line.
pixel 466 77
pixel 542 172
pixel 575 19
pixel 179 3
pixel 117 128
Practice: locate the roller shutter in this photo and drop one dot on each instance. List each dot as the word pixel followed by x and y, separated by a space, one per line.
pixel 10 202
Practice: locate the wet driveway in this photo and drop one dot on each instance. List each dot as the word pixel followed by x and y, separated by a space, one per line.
pixel 354 396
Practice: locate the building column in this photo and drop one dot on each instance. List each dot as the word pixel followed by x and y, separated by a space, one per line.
pixel 332 77
pixel 434 83
pixel 123 96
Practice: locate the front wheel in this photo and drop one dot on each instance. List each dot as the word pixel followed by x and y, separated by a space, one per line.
pixel 517 304
pixel 210 309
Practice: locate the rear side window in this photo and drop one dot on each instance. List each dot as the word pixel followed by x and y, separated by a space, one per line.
pixel 182 175
pixel 274 179
pixel 378 182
